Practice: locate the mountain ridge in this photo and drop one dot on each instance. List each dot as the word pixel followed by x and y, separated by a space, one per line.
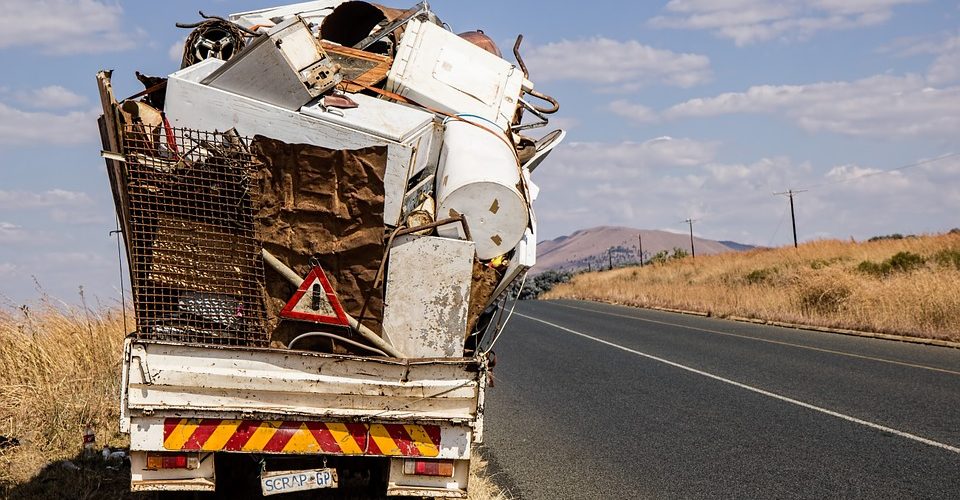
pixel 597 247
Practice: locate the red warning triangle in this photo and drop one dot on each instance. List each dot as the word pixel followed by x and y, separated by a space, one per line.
pixel 315 301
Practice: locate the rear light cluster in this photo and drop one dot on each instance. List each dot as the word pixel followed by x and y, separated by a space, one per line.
pixel 442 468
pixel 157 461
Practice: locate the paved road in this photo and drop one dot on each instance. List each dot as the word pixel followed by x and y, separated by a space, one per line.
pixel 599 401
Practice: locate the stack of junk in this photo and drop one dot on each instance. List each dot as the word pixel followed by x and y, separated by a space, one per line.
pixel 339 177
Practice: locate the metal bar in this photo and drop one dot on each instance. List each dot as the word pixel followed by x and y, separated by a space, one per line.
pixel 390 28
pixel 296 280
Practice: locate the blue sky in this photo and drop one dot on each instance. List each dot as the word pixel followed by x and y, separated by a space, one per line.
pixel 675 109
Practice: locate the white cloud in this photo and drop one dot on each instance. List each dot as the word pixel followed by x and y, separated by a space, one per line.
pixel 7 268
pixel 11 233
pixel 51 97
pixel 751 21
pixel 945 47
pixel 946 67
pixel 656 184
pixel 175 52
pixel 66 26
pixel 628 160
pixel 10 200
pixel 613 65
pixel 879 106
pixel 19 127
pixel 636 113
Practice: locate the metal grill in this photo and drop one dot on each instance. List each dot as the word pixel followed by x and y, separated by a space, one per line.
pixel 197 271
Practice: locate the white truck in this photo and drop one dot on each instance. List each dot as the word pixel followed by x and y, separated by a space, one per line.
pixel 323 212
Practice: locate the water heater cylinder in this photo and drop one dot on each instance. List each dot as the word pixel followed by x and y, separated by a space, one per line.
pixel 478 176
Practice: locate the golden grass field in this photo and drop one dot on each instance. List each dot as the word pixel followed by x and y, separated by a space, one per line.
pixel 60 370
pixel 821 283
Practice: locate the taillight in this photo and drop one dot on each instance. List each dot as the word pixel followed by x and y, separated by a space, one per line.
pixel 428 468
pixel 156 461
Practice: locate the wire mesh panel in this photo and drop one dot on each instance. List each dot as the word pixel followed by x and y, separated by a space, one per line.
pixel 197 272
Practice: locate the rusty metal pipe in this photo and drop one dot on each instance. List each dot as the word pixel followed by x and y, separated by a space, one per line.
pixel 442 222
pixel 295 279
pixel 554 104
pixel 516 53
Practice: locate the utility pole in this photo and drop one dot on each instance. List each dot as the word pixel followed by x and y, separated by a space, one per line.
pixel 610 256
pixel 789 193
pixel 693 252
pixel 640 240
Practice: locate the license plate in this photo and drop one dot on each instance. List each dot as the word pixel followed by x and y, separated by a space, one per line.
pixel 275 483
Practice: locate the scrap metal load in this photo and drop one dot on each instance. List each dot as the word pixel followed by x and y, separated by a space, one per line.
pixel 334 176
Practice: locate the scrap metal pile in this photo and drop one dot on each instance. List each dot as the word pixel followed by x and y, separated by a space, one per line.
pixel 333 176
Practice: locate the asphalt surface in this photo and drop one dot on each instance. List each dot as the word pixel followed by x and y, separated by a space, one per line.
pixel 661 405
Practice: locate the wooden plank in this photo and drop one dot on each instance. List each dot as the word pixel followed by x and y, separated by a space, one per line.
pixel 110 137
pixel 358 67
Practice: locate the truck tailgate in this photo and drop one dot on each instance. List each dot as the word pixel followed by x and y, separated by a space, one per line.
pixel 171 390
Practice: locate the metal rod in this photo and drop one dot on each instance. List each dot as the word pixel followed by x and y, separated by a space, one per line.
pixel 442 222
pixel 516 53
pixel 402 19
pixel 296 281
pixel 337 338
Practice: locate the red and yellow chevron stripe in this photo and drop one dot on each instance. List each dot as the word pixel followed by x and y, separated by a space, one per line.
pixel 271 436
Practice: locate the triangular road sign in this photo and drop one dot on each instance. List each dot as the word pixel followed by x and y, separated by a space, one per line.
pixel 316 302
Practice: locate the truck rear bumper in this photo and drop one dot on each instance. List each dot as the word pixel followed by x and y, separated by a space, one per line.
pixel 390 439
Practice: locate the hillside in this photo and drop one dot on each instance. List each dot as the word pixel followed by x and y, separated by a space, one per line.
pixel 588 248
pixel 903 286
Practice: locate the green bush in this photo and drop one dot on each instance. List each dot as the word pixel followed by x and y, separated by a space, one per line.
pixel 894 236
pixel 902 262
pixel 948 258
pixel 759 276
pixel 873 269
pixel 906 261
pixel 679 253
pixel 659 257
pixel 542 283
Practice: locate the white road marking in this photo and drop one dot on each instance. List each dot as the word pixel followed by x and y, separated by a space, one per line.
pixel 757 390
pixel 769 341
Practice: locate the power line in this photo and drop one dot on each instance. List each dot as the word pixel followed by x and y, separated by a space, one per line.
pixel 777 230
pixel 887 171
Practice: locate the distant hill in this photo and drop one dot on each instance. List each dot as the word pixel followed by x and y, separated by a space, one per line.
pixel 594 247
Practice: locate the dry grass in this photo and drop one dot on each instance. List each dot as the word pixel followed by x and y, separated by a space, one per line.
pixel 60 370
pixel 822 283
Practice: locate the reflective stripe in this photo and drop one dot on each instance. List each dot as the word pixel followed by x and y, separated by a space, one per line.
pixel 272 436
